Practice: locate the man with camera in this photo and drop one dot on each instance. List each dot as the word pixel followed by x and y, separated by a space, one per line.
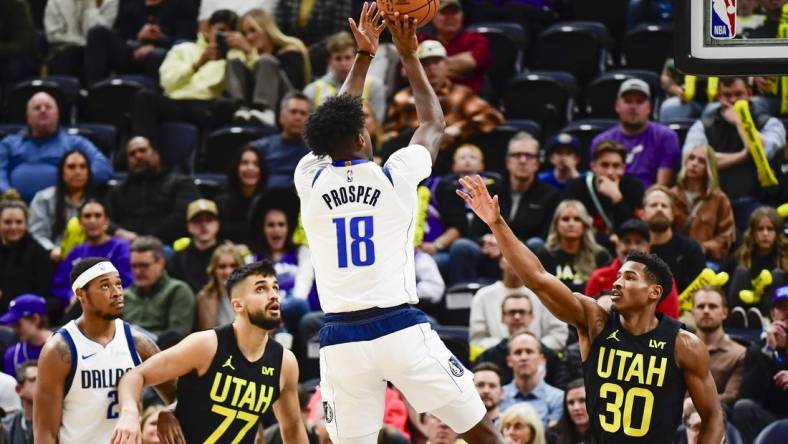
pixel 192 77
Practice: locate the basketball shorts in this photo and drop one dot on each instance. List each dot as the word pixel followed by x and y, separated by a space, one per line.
pixel 360 351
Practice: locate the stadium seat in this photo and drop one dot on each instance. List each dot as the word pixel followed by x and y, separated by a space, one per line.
pixel 221 144
pixel 457 303
pixel 776 432
pixel 647 46
pixel 544 96
pixel 602 92
pixel 507 42
pixel 141 79
pixel 681 127
pixel 495 143
pixel 577 47
pixel 529 126
pixel 210 185
pixel 585 130
pixel 112 101
pixel 17 96
pixel 178 141
pixel 102 135
pixel 612 14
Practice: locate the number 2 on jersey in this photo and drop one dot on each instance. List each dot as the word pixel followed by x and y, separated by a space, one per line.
pixel 361 230
pixel 112 412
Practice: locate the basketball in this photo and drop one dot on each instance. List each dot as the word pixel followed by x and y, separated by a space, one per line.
pixel 422 10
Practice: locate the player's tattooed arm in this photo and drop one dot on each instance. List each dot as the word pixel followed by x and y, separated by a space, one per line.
pixel 286 408
pixel 147 348
pixel 54 365
pixel 693 356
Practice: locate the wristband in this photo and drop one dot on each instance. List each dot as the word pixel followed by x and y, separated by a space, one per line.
pixel 365 53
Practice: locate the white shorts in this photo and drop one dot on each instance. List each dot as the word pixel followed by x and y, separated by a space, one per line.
pixel 353 374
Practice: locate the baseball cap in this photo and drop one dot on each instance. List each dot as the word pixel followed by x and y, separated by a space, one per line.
pixel 634 85
pixel 23 306
pixel 201 206
pixel 636 226
pixel 431 48
pixel 446 3
pixel 780 295
pixel 563 139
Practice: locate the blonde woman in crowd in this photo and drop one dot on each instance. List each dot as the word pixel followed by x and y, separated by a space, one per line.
pixel 520 424
pixel 213 305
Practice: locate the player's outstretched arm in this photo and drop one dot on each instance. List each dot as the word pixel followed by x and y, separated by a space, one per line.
pixel 193 353
pixel 428 108
pixel 579 311
pixel 54 364
pixel 367 34
pixel 693 356
pixel 287 408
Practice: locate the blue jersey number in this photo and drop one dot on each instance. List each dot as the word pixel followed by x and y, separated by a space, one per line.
pixel 361 230
pixel 112 413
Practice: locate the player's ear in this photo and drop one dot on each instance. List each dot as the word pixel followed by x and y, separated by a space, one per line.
pixel 236 304
pixel 655 291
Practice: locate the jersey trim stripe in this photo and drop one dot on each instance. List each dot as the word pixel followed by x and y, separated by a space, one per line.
pixel 317 174
pixel 132 346
pixel 72 348
pixel 341 163
pixel 366 325
pixel 388 174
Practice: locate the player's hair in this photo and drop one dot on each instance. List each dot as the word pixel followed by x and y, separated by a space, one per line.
pixel 523 332
pixel 713 289
pixel 260 268
pixel 339 42
pixel 489 367
pixel 511 296
pixel 143 244
pixel 521 136
pixel 21 368
pixel 82 266
pixel 332 128
pixel 524 413
pixel 657 271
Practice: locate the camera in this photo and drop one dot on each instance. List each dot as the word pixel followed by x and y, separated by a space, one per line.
pixel 221 43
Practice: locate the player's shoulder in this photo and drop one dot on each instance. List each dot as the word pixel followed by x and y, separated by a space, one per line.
pixel 56 350
pixel 691 353
pixel 412 152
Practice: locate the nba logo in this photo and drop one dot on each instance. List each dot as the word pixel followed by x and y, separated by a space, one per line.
pixel 723 19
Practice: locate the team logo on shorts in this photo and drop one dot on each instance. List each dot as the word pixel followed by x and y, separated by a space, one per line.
pixel 329 413
pixel 456 367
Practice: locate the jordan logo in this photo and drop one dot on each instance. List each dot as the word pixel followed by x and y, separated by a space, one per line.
pixel 614 335
pixel 229 363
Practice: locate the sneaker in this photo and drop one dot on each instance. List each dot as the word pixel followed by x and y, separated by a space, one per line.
pixel 266 116
pixel 754 319
pixel 737 318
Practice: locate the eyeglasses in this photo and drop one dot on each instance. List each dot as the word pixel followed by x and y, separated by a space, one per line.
pixel 525 156
pixel 517 312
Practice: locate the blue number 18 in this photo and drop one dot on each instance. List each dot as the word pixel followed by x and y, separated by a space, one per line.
pixel 357 240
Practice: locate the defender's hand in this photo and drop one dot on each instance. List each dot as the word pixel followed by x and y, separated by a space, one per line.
pixel 127 430
pixel 478 198
pixel 370 25
pixel 169 429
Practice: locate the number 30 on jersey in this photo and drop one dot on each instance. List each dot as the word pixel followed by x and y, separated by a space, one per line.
pixel 359 230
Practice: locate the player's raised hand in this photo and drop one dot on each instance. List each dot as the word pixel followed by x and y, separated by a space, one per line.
pixel 403 33
pixel 370 25
pixel 478 198
pixel 127 430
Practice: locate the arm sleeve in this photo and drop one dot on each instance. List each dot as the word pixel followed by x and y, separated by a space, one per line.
pixel 41 222
pixel 104 15
pixel 411 164
pixel 773 137
pixel 176 70
pixel 181 316
pixel 724 233
pixel 695 136
pixel 55 25
pixel 429 282
pixel 100 166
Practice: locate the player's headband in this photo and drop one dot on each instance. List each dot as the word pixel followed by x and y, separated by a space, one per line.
pixel 91 273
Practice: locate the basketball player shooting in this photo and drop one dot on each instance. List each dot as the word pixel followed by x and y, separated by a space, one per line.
pixel 637 367
pixel 360 220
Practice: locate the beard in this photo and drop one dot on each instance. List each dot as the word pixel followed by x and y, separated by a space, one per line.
pixel 111 316
pixel 262 320
pixel 658 223
pixel 708 326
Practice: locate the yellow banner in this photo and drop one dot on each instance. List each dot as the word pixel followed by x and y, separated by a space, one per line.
pixel 765 173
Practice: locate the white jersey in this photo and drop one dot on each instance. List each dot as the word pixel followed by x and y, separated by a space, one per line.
pixel 360 221
pixel 90 406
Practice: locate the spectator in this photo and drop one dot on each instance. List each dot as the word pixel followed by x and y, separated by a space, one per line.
pixel 675 106
pixel 609 195
pixel 54 206
pixel 574 427
pixel 571 249
pixel 239 7
pixel 763 247
pixel 293 264
pixel 149 422
pixel 563 153
pixel 709 310
pixel 764 392
pixel 98 243
pixel 465 112
pixel 312 21
pixel 652 148
pixel 430 285
pixel 683 255
pixel 24 264
pixel 247 180
pixel 438 432
pixel 468 53
pixel 526 358
pixel 192 77
pixel 29 159
pixel 213 304
pixel 487 324
pixel 189 264
pixel 720 127
pixel 17 38
pixel 691 420
pixel 517 314
pixel 487 378
pixel 526 203
pixel 27 316
pixel 155 301
pixel 283 151
pixel 341 49
pixel 767 30
pixel 67 23
pixel 520 424
pixel 632 235
pixel 704 212
pixel 140 38
pixel 277 65
pixel 18 427
pixel 149 193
